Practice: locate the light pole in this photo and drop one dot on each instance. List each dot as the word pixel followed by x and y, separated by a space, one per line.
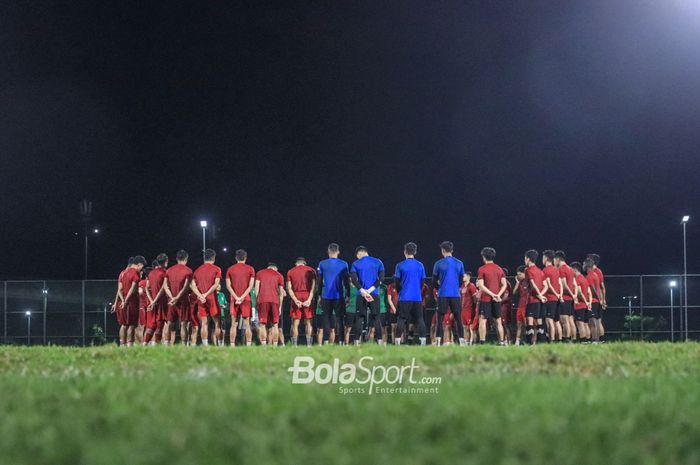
pixel 203 224
pixel 29 327
pixel 86 216
pixel 629 299
pixel 684 221
pixel 672 285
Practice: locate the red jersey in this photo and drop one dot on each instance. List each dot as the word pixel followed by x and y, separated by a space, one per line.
pixel 491 274
pixel 155 281
pixel 584 285
pixel 177 276
pixel 594 281
pixel 127 278
pixel 551 272
pixel 143 299
pixel 468 296
pixel 393 294
pixel 425 294
pixel 270 281
pixel 206 276
pixel 239 275
pixel 507 294
pixel 600 275
pixel 535 277
pixel 301 278
pixel 567 274
pixel 523 293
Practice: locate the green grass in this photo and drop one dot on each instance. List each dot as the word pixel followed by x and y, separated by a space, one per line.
pixel 629 403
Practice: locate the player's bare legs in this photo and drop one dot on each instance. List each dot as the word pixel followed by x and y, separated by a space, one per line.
pixel 122 335
pixel 204 330
pixel 262 334
pixel 309 331
pixel 130 330
pixel 217 329
pixel 233 332
pixel 557 331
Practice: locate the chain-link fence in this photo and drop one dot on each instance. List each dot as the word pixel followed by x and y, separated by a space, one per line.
pixel 78 312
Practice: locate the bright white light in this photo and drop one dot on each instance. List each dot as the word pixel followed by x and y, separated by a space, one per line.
pixel 673 283
pixel 203 223
pixel 225 249
pixel 685 219
pixel 96 231
pixel 28 313
pixel 44 291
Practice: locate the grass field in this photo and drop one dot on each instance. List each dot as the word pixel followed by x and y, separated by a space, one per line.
pixel 629 403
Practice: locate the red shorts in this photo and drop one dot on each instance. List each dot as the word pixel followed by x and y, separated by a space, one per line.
pixel 142 316
pixel 180 311
pixel 468 316
pixel 128 315
pixel 160 308
pixel 446 320
pixel 520 314
pixel 244 309
pixel 297 313
pixel 153 320
pixel 210 307
pixel 505 313
pixel 268 312
pixel 194 321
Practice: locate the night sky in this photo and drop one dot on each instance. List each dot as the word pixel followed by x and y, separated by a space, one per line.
pixel 572 125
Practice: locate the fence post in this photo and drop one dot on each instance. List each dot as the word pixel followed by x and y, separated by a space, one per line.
pixel 641 307
pixel 46 298
pixel 83 309
pixel 4 315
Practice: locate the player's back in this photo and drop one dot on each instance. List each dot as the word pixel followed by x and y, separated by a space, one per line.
pixel 333 271
pixel 411 273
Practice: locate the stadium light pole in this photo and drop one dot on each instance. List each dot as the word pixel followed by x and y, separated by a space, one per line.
pixel 203 225
pixel 684 221
pixel 629 299
pixel 29 327
pixel 672 285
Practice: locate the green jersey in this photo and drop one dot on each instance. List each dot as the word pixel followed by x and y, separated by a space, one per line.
pixel 352 305
pixel 382 298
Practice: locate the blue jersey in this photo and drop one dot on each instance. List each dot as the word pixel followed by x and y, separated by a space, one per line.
pixel 333 271
pixel 450 272
pixel 368 269
pixel 411 274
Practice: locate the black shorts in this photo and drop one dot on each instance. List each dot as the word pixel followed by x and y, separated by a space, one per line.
pixel 446 304
pixel 534 310
pixel 391 318
pixel 410 311
pixel 597 310
pixel 551 309
pixel 384 319
pixel 567 308
pixel 361 305
pixel 490 309
pixel 319 322
pixel 582 315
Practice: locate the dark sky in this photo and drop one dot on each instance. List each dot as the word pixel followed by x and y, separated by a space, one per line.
pixel 571 125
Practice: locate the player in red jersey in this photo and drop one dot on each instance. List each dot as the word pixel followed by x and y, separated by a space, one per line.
pixel 603 292
pixel 493 284
pixel 534 313
pixel 553 295
pixel 143 304
pixel 583 300
pixel 506 309
pixel 469 312
pixel 177 289
pixel 205 282
pixel 594 281
pixel 523 291
pixel 240 279
pixel 127 305
pixel 193 320
pixel 116 304
pixel 157 310
pixel 392 297
pixel 269 286
pixel 568 290
pixel 301 284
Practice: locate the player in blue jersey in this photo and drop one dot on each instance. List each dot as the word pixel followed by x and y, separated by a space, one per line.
pixel 367 273
pixel 408 279
pixel 448 276
pixel 334 282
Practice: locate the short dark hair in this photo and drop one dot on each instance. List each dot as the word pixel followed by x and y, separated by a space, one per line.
pixel 181 255
pixel 505 271
pixel 595 257
pixel 447 246
pixel 532 255
pixel 130 261
pixel 271 264
pixel 300 260
pixel 209 255
pixel 162 259
pixel 333 247
pixel 521 269
pixel 576 266
pixel 560 255
pixel 139 260
pixel 154 263
pixel 241 255
pixel 489 253
pixel 361 248
pixel 146 271
pixel 410 248
pixel 468 272
pixel 548 254
pixel 588 264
